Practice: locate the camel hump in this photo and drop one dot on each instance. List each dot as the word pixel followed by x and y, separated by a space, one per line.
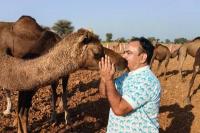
pixel 197 38
pixel 27 26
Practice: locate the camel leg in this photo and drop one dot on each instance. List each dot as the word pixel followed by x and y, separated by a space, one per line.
pixel 195 71
pixel 9 103
pixel 54 97
pixel 181 61
pixel 158 67
pixel 64 97
pixel 166 64
pixel 24 104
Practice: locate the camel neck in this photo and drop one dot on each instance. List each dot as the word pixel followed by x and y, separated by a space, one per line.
pixel 61 60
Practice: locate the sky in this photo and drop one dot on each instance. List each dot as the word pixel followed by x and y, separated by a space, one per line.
pixel 163 19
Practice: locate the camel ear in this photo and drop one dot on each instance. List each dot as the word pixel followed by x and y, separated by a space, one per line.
pixel 84 40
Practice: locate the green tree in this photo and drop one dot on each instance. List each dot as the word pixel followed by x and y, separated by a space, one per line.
pixel 133 37
pixel 108 37
pixel 45 27
pixel 180 40
pixel 121 40
pixel 63 27
pixel 167 41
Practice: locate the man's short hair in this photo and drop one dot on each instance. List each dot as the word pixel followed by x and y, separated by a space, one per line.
pixel 146 46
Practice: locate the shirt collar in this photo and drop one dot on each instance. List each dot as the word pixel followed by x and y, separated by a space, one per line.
pixel 138 70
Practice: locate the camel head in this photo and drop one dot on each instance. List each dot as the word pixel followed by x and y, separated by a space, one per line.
pixel 155 42
pixel 89 49
pixel 93 51
pixel 119 62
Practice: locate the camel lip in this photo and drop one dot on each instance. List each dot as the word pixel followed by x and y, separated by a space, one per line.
pixel 90 68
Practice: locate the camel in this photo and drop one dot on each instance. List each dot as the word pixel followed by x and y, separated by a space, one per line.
pixel 79 50
pixel 196 68
pixel 190 48
pixel 162 53
pixel 22 48
pixel 27 40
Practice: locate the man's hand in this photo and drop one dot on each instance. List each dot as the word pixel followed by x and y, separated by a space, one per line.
pixel 107 69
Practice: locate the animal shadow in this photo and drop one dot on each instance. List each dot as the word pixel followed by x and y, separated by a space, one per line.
pixel 83 87
pixel 182 118
pixel 186 72
pixel 84 115
pixel 194 92
pixel 169 73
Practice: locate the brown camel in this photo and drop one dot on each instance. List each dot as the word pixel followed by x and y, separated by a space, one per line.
pixel 190 48
pixel 28 47
pixel 196 68
pixel 27 40
pixel 162 53
pixel 79 50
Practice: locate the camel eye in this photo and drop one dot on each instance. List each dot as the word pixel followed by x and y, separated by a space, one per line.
pixel 98 54
pixel 86 40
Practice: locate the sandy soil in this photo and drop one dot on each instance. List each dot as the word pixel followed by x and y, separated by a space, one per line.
pixel 89 111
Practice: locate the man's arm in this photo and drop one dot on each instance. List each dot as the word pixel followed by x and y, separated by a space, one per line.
pixel 118 104
pixel 102 88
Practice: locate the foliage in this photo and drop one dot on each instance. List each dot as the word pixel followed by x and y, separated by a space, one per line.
pixel 121 40
pixel 108 37
pixel 45 27
pixel 133 37
pixel 180 40
pixel 167 41
pixel 63 27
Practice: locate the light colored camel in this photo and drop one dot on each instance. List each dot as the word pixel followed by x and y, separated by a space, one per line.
pixel 190 48
pixel 196 68
pixel 79 50
pixel 162 54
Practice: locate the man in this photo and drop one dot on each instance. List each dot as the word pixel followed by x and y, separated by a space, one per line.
pixel 135 96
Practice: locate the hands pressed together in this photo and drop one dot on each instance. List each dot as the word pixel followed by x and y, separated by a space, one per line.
pixel 107 69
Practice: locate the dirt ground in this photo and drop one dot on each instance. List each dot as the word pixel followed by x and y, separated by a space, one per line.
pixel 89 111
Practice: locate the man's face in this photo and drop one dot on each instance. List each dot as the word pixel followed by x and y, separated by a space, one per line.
pixel 134 55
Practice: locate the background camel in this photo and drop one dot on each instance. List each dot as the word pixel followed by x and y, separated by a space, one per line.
pixel 79 50
pixel 162 53
pixel 187 48
pixel 196 67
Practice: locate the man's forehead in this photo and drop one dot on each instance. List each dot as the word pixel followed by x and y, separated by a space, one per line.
pixel 133 45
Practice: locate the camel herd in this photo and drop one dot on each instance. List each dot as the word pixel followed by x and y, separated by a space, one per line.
pixel 162 53
pixel 32 57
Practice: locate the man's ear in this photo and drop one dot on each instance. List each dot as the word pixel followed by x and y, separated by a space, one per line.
pixel 144 58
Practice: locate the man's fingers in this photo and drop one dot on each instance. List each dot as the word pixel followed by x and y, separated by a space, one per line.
pixel 106 61
pixel 102 63
pixel 113 67
pixel 109 63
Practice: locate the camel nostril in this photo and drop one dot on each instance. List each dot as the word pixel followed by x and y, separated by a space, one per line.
pixel 98 56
